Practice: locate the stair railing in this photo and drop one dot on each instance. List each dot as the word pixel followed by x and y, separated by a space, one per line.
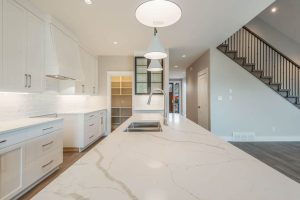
pixel 266 58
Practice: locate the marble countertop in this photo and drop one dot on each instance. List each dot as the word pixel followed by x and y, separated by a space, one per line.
pixel 81 111
pixel 14 125
pixel 184 162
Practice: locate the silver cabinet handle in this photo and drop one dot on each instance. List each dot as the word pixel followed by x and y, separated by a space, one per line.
pixel 101 120
pixel 94 88
pixel 29 81
pixel 83 90
pixel 49 163
pixel 3 141
pixel 91 137
pixel 92 116
pixel 92 124
pixel 26 80
pixel 44 145
pixel 45 129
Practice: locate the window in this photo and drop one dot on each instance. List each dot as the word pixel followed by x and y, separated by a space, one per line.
pixel 145 81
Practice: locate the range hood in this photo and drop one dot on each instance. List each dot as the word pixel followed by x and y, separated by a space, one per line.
pixel 62 53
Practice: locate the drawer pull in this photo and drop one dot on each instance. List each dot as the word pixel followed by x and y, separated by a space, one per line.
pixel 92 124
pixel 44 145
pixel 91 136
pixel 49 163
pixel 3 141
pixel 92 116
pixel 45 129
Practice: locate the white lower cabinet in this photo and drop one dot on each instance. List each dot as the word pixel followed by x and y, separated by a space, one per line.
pixel 83 129
pixel 11 170
pixel 27 156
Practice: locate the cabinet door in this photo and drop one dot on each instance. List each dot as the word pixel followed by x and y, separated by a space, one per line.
pixel 11 162
pixel 95 76
pixel 35 52
pixel 14 46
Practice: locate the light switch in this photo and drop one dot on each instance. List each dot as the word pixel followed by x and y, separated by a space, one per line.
pixel 220 98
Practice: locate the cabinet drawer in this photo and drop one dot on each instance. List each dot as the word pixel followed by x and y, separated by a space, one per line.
pixel 40 167
pixel 42 145
pixel 91 116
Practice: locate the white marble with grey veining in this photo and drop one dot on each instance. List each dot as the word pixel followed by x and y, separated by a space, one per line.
pixel 184 162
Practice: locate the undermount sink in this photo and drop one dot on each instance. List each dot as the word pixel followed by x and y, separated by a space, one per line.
pixel 145 126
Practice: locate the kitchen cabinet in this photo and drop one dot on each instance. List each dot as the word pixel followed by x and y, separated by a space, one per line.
pixel 83 129
pixel 29 155
pixel 14 47
pixel 11 170
pixel 23 49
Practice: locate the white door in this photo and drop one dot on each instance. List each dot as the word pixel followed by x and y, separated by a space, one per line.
pixel 14 46
pixel 11 172
pixel 35 52
pixel 203 116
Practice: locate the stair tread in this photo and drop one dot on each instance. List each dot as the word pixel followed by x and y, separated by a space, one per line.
pixel 249 64
pixel 231 51
pixel 284 90
pixel 275 83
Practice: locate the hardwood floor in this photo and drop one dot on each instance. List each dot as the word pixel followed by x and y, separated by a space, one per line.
pixel 69 159
pixel 282 156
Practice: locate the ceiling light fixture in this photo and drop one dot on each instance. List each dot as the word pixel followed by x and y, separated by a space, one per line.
pixel 274 9
pixel 115 43
pixel 155 66
pixel 89 2
pixel 183 56
pixel 176 66
pixel 158 13
pixel 156 49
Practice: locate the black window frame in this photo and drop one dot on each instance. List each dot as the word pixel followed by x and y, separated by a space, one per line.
pixel 148 77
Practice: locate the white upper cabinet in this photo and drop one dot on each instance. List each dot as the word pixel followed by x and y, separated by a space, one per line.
pixel 35 52
pixel 14 47
pixel 23 49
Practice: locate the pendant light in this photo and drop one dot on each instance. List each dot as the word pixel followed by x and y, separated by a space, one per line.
pixel 158 13
pixel 155 66
pixel 156 49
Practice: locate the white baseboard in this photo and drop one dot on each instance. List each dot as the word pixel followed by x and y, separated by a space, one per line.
pixel 265 139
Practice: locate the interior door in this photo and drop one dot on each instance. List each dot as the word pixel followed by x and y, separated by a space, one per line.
pixel 14 46
pixel 203 116
pixel 35 52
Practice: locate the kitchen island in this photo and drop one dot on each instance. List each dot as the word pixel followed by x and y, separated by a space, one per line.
pixel 183 162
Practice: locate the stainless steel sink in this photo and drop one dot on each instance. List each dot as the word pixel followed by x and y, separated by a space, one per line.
pixel 145 126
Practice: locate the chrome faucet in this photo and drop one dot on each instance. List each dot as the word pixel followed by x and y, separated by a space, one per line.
pixel 166 113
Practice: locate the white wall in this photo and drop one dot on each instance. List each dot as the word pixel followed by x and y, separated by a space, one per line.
pixel 254 106
pixel 286 45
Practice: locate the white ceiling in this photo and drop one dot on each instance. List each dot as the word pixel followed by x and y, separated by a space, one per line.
pixel 286 19
pixel 204 24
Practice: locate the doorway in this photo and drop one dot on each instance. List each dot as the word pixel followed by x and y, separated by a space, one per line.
pixel 203 109
pixel 175 96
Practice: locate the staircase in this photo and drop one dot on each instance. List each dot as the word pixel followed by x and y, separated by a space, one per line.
pixel 264 62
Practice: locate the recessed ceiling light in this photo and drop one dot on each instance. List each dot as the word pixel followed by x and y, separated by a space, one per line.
pixel 89 2
pixel 184 56
pixel 176 66
pixel 115 43
pixel 274 9
pixel 158 13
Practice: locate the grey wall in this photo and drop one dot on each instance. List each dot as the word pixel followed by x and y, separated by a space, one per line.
pixel 191 85
pixel 254 106
pixel 283 43
pixel 112 63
